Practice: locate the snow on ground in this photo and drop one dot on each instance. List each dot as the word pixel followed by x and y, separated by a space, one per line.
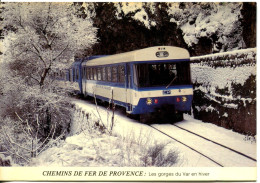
pixel 94 149
pixel 88 150
pixel 220 135
pixel 129 128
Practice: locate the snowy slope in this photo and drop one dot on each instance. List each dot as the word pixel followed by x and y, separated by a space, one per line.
pixel 82 149
pixel 88 150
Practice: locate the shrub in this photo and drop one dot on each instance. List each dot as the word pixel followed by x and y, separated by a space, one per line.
pixel 158 156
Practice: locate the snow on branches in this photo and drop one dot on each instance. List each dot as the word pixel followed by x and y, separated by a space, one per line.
pixel 39 39
pixel 46 35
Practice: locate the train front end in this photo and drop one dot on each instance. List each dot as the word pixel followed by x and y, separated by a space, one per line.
pixel 162 84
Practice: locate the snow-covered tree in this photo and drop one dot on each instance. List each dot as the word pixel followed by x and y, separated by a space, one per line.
pixel 44 36
pixel 217 23
pixel 39 39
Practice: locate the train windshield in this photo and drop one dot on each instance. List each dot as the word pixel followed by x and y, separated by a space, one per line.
pixel 162 74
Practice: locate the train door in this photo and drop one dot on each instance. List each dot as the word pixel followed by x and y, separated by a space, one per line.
pixel 128 88
pixel 84 78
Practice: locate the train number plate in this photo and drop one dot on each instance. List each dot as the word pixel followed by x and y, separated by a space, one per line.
pixel 166 92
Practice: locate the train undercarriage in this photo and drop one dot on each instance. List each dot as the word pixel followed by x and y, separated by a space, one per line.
pixel 161 117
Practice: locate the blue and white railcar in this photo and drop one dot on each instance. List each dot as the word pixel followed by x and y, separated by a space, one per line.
pixel 74 73
pixel 143 81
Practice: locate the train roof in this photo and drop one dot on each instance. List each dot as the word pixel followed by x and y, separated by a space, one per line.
pixel 146 54
pixel 96 56
pixel 78 61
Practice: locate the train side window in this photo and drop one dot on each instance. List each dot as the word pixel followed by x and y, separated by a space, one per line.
pixel 104 74
pixel 77 74
pixel 74 74
pixel 121 73
pixel 95 73
pixel 92 73
pixel 88 70
pixel 135 75
pixel 70 75
pixel 184 72
pixel 85 73
pixel 114 74
pixel 99 74
pixel 109 73
pixel 60 74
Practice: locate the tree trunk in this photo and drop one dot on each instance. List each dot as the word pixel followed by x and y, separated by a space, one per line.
pixel 44 76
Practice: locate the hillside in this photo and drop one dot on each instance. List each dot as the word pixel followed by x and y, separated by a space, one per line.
pixel 203 28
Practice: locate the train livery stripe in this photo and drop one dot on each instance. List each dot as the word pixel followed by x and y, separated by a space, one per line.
pixel 133 96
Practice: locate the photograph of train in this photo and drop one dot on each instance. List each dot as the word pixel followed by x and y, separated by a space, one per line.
pixel 128 91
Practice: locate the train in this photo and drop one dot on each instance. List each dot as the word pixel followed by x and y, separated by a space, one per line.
pixel 146 82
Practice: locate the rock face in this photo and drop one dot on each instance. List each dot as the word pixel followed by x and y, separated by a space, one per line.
pixel 204 47
pixel 249 24
pixel 202 28
pixel 124 33
pixel 225 90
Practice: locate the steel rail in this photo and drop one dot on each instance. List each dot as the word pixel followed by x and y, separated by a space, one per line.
pixel 188 146
pixel 240 153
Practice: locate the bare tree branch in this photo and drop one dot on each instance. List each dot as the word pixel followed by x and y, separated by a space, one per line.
pixel 61 52
pixel 52 142
pixel 24 130
pixel 48 17
pixel 10 141
pixel 39 55
pixel 54 37
pixel 16 154
pixel 35 79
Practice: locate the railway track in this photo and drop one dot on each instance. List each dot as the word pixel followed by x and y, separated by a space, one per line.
pixel 211 149
pixel 209 155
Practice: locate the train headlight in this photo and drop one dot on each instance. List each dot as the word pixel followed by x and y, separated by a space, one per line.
pixel 184 99
pixel 149 101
